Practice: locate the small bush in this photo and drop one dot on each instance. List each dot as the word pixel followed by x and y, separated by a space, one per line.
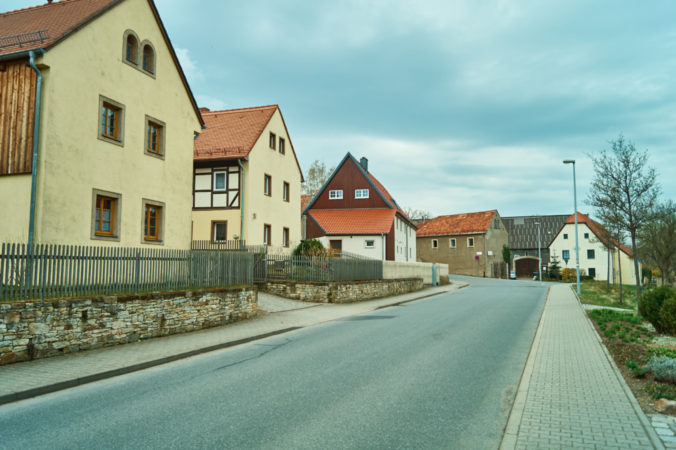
pixel 310 247
pixel 651 305
pixel 668 315
pixel 663 368
pixel 664 351
pixel 637 370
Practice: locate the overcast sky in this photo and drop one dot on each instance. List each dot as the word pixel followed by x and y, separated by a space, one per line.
pixel 459 105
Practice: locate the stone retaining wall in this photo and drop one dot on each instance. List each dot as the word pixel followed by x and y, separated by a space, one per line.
pixel 341 291
pixel 31 330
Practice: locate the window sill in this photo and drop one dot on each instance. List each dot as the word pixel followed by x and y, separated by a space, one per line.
pixel 100 237
pixel 155 155
pixel 119 143
pixel 151 242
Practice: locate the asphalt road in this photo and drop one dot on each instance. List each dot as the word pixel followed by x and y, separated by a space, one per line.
pixel 435 373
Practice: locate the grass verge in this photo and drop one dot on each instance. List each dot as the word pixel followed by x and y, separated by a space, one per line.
pixel 598 293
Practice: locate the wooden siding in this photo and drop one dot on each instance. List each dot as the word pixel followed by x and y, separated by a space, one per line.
pixel 17 116
pixel 348 178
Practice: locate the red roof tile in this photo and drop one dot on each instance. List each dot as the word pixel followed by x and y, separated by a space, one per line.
pixel 354 221
pixel 467 223
pixel 598 229
pixel 232 133
pixel 58 19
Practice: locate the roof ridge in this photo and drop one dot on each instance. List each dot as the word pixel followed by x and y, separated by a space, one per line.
pixel 29 8
pixel 249 108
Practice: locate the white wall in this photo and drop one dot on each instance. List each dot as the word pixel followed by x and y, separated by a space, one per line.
pixel 404 241
pixel 600 260
pixel 356 244
pixel 394 270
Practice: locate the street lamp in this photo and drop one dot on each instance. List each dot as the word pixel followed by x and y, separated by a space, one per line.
pixel 577 247
pixel 539 253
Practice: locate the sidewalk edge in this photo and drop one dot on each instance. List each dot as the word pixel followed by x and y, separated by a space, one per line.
pixel 652 434
pixel 29 393
pixel 511 432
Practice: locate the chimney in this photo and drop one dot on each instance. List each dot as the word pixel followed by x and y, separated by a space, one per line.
pixel 364 163
pixel 204 109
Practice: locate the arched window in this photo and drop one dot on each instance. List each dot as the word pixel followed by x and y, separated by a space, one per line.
pixel 148 59
pixel 131 49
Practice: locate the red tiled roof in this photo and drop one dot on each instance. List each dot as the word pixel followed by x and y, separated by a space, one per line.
pixel 354 221
pixel 598 229
pixel 305 200
pixel 58 19
pixel 467 223
pixel 232 133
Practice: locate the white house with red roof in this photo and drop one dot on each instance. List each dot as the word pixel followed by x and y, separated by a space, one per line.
pixel 246 179
pixel 354 213
pixel 601 256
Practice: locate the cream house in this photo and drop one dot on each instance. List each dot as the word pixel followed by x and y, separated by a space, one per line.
pixel 102 103
pixel 246 179
pixel 600 255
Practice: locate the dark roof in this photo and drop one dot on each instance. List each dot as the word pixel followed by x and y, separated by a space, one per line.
pixel 523 233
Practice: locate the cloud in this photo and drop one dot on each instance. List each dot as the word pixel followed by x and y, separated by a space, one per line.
pixel 190 68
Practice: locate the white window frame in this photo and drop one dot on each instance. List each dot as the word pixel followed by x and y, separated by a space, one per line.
pixel 435 243
pixel 336 194
pixel 361 193
pixel 370 243
pixel 452 243
pixel 225 180
pixel 215 225
pixel 468 242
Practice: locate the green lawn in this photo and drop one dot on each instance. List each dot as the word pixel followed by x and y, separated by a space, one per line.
pixel 595 293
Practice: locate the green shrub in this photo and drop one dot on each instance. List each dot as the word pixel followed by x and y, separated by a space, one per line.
pixel 637 370
pixel 310 247
pixel 668 315
pixel 663 368
pixel 664 351
pixel 651 305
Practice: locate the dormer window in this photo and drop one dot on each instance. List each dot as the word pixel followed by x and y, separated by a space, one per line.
pixel 148 59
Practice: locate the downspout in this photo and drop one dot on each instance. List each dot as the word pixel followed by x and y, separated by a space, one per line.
pixel 382 239
pixel 241 208
pixel 36 135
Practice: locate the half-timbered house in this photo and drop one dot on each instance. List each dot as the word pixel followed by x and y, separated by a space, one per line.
pixel 246 180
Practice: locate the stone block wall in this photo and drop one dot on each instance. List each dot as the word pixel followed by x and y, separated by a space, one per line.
pixel 341 291
pixel 31 330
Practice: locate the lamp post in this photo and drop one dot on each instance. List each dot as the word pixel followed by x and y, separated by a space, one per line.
pixel 577 246
pixel 539 253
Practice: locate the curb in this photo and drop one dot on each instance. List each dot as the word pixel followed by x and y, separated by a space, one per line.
pixel 650 430
pixel 511 433
pixel 23 395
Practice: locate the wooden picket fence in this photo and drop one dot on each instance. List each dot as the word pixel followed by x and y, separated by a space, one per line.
pixel 66 271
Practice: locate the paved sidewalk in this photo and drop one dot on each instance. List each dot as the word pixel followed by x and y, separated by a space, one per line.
pixel 571 394
pixel 278 315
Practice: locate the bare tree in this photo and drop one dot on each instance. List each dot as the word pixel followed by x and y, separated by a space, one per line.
pixel 658 239
pixel 413 213
pixel 624 191
pixel 316 176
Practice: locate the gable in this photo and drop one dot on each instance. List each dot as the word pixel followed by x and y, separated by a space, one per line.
pixel 347 178
pixel 63 20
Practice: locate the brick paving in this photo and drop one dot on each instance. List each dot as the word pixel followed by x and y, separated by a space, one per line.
pixel 571 394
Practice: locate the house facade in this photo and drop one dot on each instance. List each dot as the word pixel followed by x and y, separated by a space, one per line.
pixel 246 179
pixel 354 213
pixel 113 160
pixel 601 256
pixel 470 243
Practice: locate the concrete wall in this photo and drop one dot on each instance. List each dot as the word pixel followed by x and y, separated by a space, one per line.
pixel 73 161
pixel 32 330
pixel 343 291
pixel 395 270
